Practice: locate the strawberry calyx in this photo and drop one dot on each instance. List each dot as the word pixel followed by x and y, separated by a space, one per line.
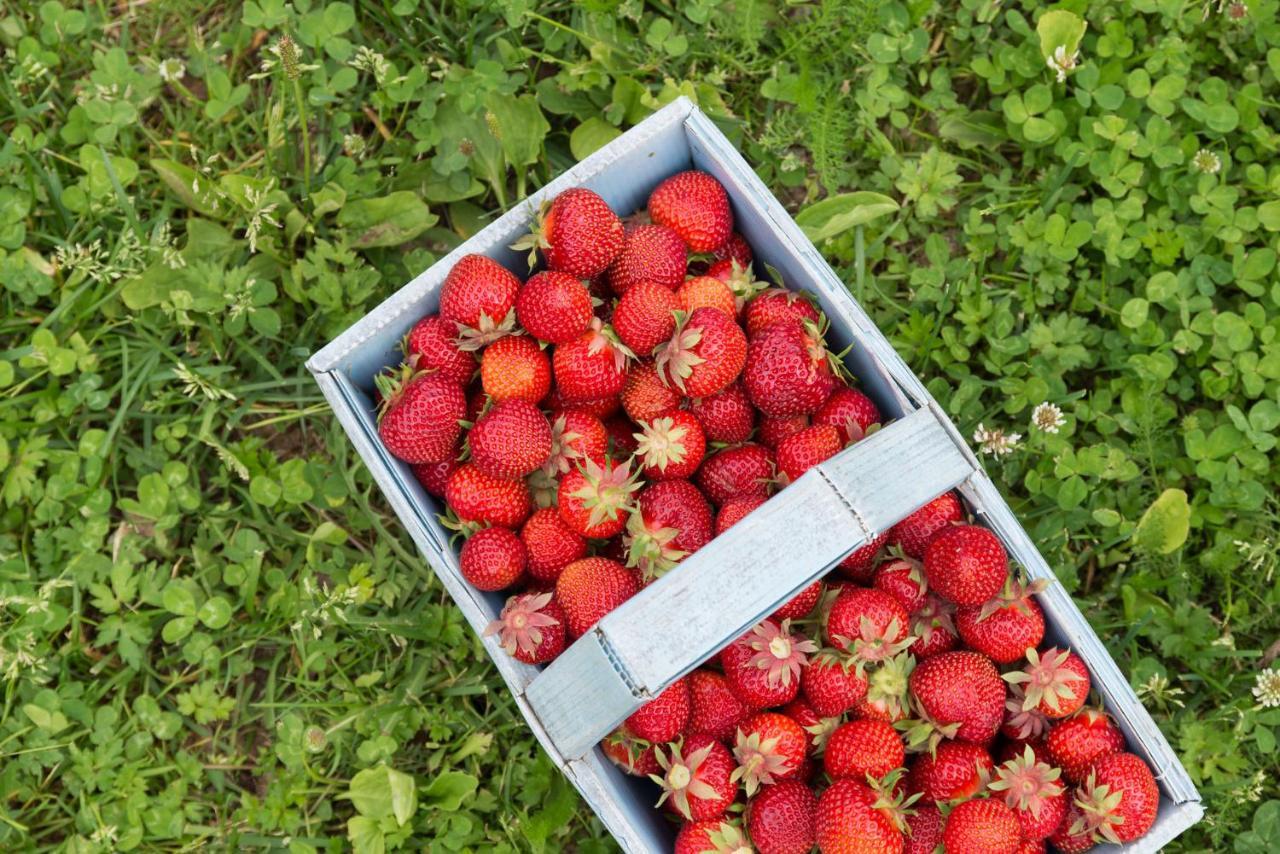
pixel 816 346
pixel 924 733
pixel 1046 679
pixel 679 779
pixel 1100 811
pixel 520 624
pixel 543 488
pixel 891 800
pixel 661 443
pixel 743 282
pixel 1027 723
pixel 537 237
pixel 934 615
pixel 779 653
pixel 676 360
pixel 563 454
pixel 759 762
pixel 873 645
pixel 1015 594
pixel 1027 783
pixel 604 337
pixel 607 491
pixel 392 382
pixel 821 732
pixel 887 685
pixel 650 549
pixel 728 838
pixel 473 338
pixel 632 745
pixel 460 527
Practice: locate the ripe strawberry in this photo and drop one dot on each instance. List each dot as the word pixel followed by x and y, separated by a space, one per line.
pixel 869 624
pixel 780 818
pixel 788 369
pixel 801 604
pixel 515 367
pixel 595 500
pixel 696 207
pixel 706 292
pixel 577 233
pixel 860 564
pixel 863 748
pixel 924 830
pixel 434 342
pixel 715 710
pixel 726 416
pixel 740 470
pixel 482 499
pixel 592 366
pixel 955 770
pixel 530 627
pixel 775 431
pixel 715 836
pixel 622 439
pixel 735 509
pixel 633 755
pixel 650 253
pixel 479 297
pixel 853 819
pixel 741 282
pixel 961 696
pixel 1077 742
pixel 1032 791
pixel 601 407
pixel 849 410
pixel 645 396
pixel 804 450
pixel 1056 682
pixel 671 446
pixel 1023 725
pixel 1004 628
pixel 763 666
pixel 645 317
pixel 933 628
pixel 576 436
pixel 511 440
pixel 886 698
pixel 916 531
pixel 433 476
pixel 735 248
pixel 665 717
pixel 985 825
pixel 695 778
pixel 589 588
pixel 705 354
pixel 1073 835
pixel 1030 846
pixel 554 307
pixel 769 747
pixel 903 579
pixel 1119 798
pixel 966 564
pixel 1012 749
pixel 832 684
pixel 418 420
pixel 671 521
pixel 492 559
pixel 550 545
pixel 777 305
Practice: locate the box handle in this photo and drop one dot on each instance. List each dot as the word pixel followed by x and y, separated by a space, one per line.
pixel 741 577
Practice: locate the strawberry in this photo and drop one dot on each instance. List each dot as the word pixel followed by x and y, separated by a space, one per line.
pixel 956 770
pixel 863 748
pixel 735 509
pixel 735 248
pixel 622 439
pixel 650 253
pixel 418 420
pixel 850 411
pixel 530 627
pixel 479 297
pixel 966 564
pixel 1073 835
pixel 1012 749
pixel 738 277
pixel 665 717
pixel 726 416
pixel 671 446
pixel 860 564
pixel 740 470
pixel 775 431
pixel 671 521
pixel 985 825
pixel 1031 846
pixel 1056 682
pixel 960 695
pixel 1077 742
pixel 1023 725
pixel 633 755
pixel 818 728
pixel 832 684
pixel 515 367
pixel 482 499
pixel 433 342
pixel 511 440
pixel 595 500
pixel 777 305
pixel 554 307
pixel 924 830
pixel 591 366
pixel 801 604
pixel 1004 628
pixel 694 206
pixel 550 545
pixel 763 667
pixel 433 476
pixel 933 628
pixel 711 837
pixel 780 818
pixel 577 233
pixel 706 292
pixel 769 747
pixel 853 819
pixel 788 369
pixel 1032 791
pixel 601 407
pixel 804 450
pixel 886 698
pixel 869 624
pixel 589 588
pixel 715 710
pixel 645 396
pixel 903 579
pixel 1119 799
pixel 576 436
pixel 492 559
pixel 645 317
pixel 695 778
pixel 705 354
pixel 916 531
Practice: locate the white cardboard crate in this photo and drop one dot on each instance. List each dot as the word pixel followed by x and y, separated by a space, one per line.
pixel 731 584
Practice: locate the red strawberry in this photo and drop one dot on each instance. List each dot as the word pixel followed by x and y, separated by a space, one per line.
pixel 622 439
pixel 645 396
pixel 696 207
pixel 706 292
pixel 961 696
pixel 1030 846
pixel 695 778
pixel 966 564
pixel 665 717
pixel 1004 628
pixel 554 307
pixel 849 410
pixel 740 470
pixel 869 624
pixel 511 440
pixel 955 770
pixel 592 366
pixel 853 819
pixel 705 354
pixel 633 755
pixel 715 710
pixel 903 579
pixel 530 627
pixel 738 277
pixel 482 499
pixel 775 431
pixel 479 297
pixel 515 367
pixel 924 830
pixel 590 588
pixel 715 836
pixel 933 628
pixel 576 436
pixel 985 825
pixel 769 747
pixel 819 729
pixel 601 407
pixel 735 509
pixel 650 253
pixel 577 233
pixel 726 416
pixel 777 305
pixel 1119 798
pixel 1077 742
pixel 780 818
pixel 1032 791
pixel 419 417
pixel 801 604
pixel 1056 683
pixel 492 559
pixel 863 748
pixel 595 500
pixel 832 684
pixel 434 342
pixel 860 564
pixel 645 317
pixel 671 521
pixel 804 450
pixel 1073 835
pixel 433 476
pixel 788 370
pixel 763 666
pixel 916 531
pixel 735 248
pixel 671 446
pixel 550 544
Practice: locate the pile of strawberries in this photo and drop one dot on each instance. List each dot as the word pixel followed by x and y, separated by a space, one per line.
pixel 591 427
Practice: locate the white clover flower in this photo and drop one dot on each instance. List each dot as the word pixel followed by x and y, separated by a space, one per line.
pixel 1062 63
pixel 172 69
pixel 372 62
pixel 354 145
pixel 1267 688
pixel 1207 162
pixel 1047 417
pixel 995 441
